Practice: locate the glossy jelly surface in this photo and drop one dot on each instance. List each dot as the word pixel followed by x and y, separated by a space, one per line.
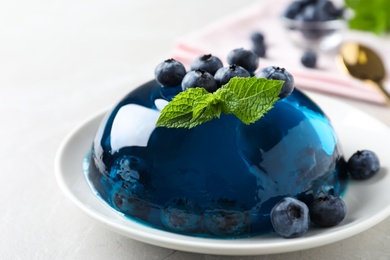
pixel 219 179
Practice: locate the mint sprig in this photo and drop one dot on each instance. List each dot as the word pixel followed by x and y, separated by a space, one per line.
pixel 247 98
pixel 373 16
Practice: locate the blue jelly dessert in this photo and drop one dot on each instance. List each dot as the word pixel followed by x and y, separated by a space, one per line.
pixel 218 179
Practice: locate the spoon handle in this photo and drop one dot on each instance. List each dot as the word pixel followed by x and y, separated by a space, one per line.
pixel 383 91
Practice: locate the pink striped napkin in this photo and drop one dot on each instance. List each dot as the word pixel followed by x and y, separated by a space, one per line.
pixel 263 16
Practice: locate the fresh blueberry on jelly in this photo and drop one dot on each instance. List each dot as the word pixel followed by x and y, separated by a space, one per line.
pixel 181 215
pixel 327 211
pixel 309 59
pixel 224 74
pixel 199 79
pixel 278 73
pixel 226 217
pixel 207 63
pixel 363 164
pixel 290 218
pixel 170 73
pixel 244 58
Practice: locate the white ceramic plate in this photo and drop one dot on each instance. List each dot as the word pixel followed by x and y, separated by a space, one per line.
pixel 368 202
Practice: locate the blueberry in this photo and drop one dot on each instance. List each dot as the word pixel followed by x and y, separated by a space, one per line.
pixel 258 46
pixel 224 74
pixel 225 217
pixel 278 73
pixel 125 198
pixel 181 215
pixel 127 168
pixel 244 58
pixel 327 211
pixel 290 218
pixel 257 38
pixel 309 59
pixel 313 10
pixel 316 12
pixel 293 9
pixel 339 13
pixel 207 63
pixel 259 50
pixel 308 14
pixel 201 79
pixel 363 165
pixel 326 10
pixel 169 73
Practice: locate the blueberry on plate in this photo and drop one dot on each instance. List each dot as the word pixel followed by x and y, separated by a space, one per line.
pixel 199 79
pixel 244 58
pixel 224 74
pixel 207 63
pixel 327 211
pixel 290 218
pixel 278 73
pixel 363 165
pixel 169 73
pixel 181 215
pixel 309 59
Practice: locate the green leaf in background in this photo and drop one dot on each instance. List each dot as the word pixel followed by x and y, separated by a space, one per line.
pixel 370 15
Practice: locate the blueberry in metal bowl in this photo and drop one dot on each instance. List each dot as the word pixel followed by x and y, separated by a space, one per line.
pixel 317 24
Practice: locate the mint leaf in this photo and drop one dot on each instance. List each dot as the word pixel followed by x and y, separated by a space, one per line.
pixel 256 98
pixel 179 111
pixel 231 101
pixel 205 108
pixel 247 98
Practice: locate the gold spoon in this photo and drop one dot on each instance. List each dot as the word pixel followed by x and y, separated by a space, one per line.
pixel 363 63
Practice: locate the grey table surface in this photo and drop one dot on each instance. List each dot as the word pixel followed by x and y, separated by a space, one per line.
pixel 60 61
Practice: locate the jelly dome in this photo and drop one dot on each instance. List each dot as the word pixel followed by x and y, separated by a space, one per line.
pixel 219 179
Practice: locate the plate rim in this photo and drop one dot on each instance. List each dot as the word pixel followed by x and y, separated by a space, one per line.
pixel 244 246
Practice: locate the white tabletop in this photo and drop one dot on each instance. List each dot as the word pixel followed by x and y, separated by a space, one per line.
pixel 60 61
